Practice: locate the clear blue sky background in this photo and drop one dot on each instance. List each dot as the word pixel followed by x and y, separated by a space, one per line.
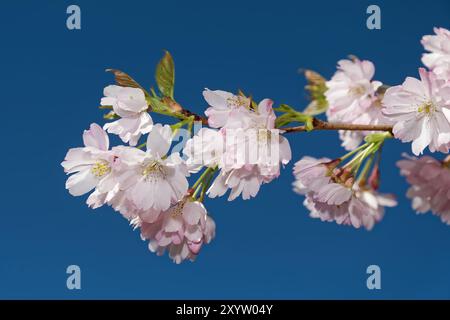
pixel 52 80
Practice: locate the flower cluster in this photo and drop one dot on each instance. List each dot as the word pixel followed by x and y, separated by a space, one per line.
pixel 148 184
pixel 181 230
pixel 333 193
pixel 149 188
pixel 242 147
pixel 247 148
pixel 420 109
pixel 144 186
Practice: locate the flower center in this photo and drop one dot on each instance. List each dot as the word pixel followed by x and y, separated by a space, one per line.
pixel 357 90
pixel 100 168
pixel 153 171
pixel 237 101
pixel 427 107
pixel 178 208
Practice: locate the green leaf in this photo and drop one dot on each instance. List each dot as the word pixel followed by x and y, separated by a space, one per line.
pixel 315 107
pixel 377 137
pixel 284 108
pixel 157 106
pixel 283 120
pixel 124 80
pixel 291 115
pixel 165 75
pixel 111 116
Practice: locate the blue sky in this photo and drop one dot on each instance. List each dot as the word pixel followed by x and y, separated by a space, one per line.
pixel 265 248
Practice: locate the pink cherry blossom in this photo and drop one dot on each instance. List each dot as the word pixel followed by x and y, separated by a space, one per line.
pixel 244 181
pixel 353 98
pixel 222 104
pixel 154 181
pixel 442 71
pixel 420 110
pixel 262 117
pixel 248 150
pixel 332 196
pixel 430 185
pixel 351 90
pixel 261 147
pixel 363 209
pixel 181 230
pixel 128 209
pixel 92 166
pixel 312 174
pixel 316 177
pixel 131 106
pixel 439 47
pixel 252 139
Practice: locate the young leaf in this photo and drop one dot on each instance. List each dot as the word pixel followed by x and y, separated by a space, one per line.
pixel 284 108
pixel 172 104
pixel 316 107
pixel 125 80
pixel 316 87
pixel 157 106
pixel 165 75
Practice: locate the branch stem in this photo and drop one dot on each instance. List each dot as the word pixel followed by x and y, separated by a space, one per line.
pixel 323 125
pixel 317 124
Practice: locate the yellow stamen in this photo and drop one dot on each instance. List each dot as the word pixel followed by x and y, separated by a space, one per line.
pixel 153 170
pixel 427 108
pixel 357 91
pixel 100 168
pixel 178 208
pixel 237 101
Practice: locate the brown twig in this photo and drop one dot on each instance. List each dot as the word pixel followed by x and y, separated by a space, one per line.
pixel 317 125
pixel 323 125
pixel 197 117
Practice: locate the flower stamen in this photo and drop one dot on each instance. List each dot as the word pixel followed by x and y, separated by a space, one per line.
pixel 100 168
pixel 237 101
pixel 153 171
pixel 427 108
pixel 357 90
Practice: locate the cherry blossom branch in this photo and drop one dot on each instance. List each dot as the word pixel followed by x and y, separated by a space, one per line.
pixel 151 189
pixel 197 117
pixel 317 124
pixel 167 105
pixel 323 125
